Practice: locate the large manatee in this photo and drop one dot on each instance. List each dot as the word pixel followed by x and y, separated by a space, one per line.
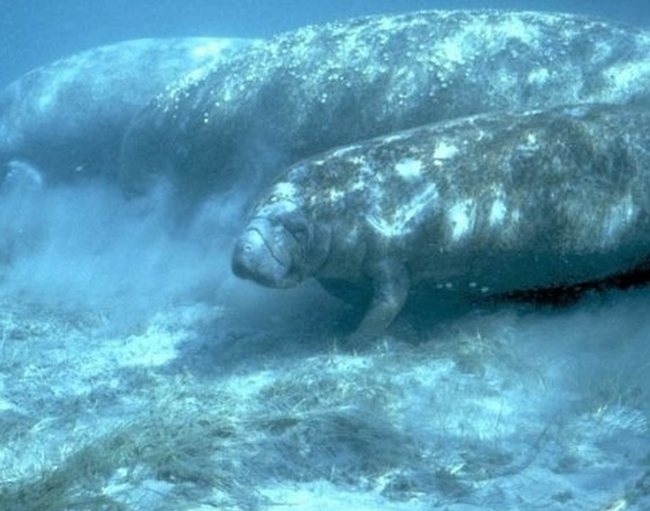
pixel 68 117
pixel 486 205
pixel 321 86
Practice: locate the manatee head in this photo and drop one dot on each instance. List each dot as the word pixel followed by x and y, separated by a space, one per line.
pixel 280 247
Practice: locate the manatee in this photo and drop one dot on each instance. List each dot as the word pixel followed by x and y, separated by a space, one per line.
pixel 483 206
pixel 309 90
pixel 67 118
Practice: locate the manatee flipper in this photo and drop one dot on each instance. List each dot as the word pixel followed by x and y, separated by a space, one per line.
pixel 357 295
pixel 391 285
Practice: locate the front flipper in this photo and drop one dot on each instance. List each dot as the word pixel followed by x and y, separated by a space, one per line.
pixel 390 288
pixel 356 294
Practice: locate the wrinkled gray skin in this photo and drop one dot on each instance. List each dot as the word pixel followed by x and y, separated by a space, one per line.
pixel 482 205
pixel 307 91
pixel 67 118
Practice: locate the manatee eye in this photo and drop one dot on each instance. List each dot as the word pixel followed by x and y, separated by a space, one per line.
pixel 297 227
pixel 300 233
pixel 274 221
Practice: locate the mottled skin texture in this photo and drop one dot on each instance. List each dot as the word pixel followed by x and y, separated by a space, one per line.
pixel 67 118
pixel 484 205
pixel 307 91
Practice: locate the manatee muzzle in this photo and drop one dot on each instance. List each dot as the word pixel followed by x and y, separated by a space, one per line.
pixel 258 257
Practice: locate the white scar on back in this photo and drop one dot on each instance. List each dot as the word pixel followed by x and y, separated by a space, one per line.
pixel 461 218
pixel 444 151
pixel 497 212
pixel 284 191
pixel 409 168
pixel 402 220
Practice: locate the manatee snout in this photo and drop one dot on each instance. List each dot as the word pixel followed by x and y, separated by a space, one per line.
pixel 254 258
pixel 247 254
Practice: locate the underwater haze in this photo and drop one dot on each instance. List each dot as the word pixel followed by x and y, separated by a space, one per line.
pixel 138 373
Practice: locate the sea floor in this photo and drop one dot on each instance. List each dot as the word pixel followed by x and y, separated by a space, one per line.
pixel 199 406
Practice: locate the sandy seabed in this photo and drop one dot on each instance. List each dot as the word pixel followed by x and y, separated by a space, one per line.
pixel 188 412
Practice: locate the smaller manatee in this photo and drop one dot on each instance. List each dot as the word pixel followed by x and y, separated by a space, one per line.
pixel 485 205
pixel 68 117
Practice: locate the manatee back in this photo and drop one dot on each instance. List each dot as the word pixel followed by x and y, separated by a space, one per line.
pixel 321 86
pixel 497 202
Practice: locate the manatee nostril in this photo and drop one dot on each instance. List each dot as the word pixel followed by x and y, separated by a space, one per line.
pixel 240 263
pixel 246 255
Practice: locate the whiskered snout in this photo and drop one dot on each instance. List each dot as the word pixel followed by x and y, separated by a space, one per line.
pixel 254 259
pixel 247 254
